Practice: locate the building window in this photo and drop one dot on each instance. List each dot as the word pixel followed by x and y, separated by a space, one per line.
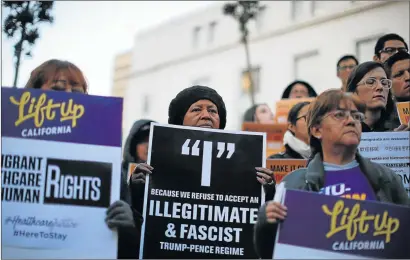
pixel 322 7
pixel 196 36
pixel 307 68
pixel 211 34
pixel 365 47
pixel 146 102
pixel 301 9
pixel 246 80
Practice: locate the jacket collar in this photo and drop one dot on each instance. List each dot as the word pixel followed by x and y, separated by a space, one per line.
pixel 292 153
pixel 315 172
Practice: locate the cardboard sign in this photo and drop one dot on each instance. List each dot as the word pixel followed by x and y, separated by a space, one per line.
pixel 403 110
pixel 281 167
pixel 131 168
pixel 274 135
pixel 285 105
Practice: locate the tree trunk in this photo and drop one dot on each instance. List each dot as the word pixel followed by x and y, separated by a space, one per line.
pixel 249 66
pixel 19 51
pixel 18 56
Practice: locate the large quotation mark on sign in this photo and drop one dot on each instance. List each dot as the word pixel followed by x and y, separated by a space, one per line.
pixel 207 156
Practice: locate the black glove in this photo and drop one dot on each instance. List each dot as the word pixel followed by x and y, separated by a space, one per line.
pixel 119 215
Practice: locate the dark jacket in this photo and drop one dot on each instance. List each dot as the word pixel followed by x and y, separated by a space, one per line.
pixel 130 156
pixel 385 124
pixel 289 153
pixel 127 238
pixel 386 184
pixel 128 244
pixel 378 127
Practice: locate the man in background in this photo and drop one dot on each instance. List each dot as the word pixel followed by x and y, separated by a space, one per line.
pixel 387 45
pixel 344 67
pixel 398 67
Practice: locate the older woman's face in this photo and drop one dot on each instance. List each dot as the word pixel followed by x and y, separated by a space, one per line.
pixel 341 127
pixel 264 115
pixel 63 83
pixel 202 113
pixel 299 91
pixel 371 91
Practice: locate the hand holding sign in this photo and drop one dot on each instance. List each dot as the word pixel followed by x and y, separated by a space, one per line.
pixel 403 128
pixel 119 215
pixel 264 176
pixel 274 211
pixel 138 176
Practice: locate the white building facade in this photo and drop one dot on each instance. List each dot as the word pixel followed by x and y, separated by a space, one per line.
pixel 290 40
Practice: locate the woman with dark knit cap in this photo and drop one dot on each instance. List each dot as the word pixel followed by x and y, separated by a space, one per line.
pixel 202 106
pixel 299 89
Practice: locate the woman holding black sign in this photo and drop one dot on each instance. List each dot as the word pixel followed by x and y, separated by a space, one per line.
pixel 334 127
pixel 201 106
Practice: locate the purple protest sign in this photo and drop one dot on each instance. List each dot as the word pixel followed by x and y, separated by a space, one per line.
pixel 328 226
pixel 60 116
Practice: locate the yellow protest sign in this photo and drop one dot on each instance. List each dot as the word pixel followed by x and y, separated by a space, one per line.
pixel 131 168
pixel 281 167
pixel 274 135
pixel 403 109
pixel 285 105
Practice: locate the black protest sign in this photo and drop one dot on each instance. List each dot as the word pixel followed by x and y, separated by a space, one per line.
pixel 202 198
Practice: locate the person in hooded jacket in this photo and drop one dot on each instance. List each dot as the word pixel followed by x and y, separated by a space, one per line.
pixel 296 138
pixel 136 151
pixel 298 89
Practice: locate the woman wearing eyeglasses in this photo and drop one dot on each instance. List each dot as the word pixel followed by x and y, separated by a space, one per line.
pixel 371 83
pixel 337 169
pixel 296 139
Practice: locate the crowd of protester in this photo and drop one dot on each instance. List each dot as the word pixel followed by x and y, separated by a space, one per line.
pixel 326 131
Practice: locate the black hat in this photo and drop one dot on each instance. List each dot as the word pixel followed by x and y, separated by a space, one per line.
pixel 288 89
pixel 181 103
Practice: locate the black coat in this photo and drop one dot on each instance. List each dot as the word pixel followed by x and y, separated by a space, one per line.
pixel 288 154
pixel 129 241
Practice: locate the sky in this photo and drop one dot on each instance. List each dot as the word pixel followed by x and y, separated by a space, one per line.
pixel 90 34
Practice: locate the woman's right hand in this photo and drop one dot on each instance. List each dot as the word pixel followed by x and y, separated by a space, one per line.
pixel 275 211
pixel 138 176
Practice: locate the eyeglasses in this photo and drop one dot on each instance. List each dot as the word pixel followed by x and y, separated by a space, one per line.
pixel 392 50
pixel 342 115
pixel 372 82
pixel 297 119
pixel 351 67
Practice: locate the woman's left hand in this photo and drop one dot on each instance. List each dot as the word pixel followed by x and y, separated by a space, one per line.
pixel 264 176
pixel 119 215
pixel 403 128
